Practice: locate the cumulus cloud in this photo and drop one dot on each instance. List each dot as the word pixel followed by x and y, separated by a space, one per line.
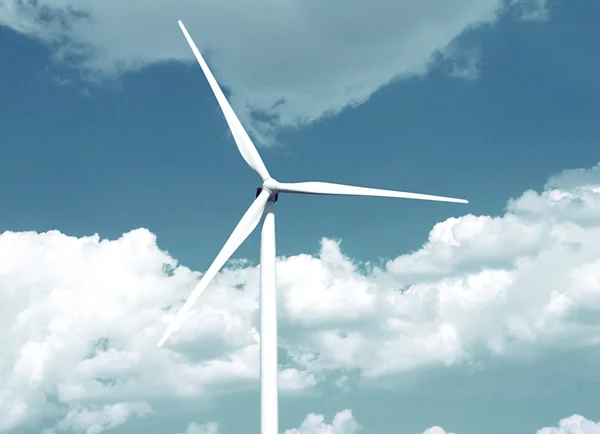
pixel 343 423
pixel 80 317
pixel 479 285
pixel 293 380
pixel 575 424
pixel 436 430
pixel 291 62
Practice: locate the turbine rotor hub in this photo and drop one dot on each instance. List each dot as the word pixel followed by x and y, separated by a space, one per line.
pixel 272 186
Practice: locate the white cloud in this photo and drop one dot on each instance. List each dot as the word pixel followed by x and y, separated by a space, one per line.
pixel 208 428
pixel 295 61
pixel 293 380
pixel 343 423
pixel 575 424
pixel 479 285
pixel 436 430
pixel 80 317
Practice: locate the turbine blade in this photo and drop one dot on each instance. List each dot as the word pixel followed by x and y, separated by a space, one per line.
pixel 349 190
pixel 244 228
pixel 242 140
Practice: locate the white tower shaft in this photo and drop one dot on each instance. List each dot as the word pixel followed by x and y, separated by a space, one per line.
pixel 269 420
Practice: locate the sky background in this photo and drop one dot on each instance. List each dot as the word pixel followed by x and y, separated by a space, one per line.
pixel 478 318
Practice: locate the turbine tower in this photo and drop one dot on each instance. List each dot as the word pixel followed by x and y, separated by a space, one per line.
pixel 263 208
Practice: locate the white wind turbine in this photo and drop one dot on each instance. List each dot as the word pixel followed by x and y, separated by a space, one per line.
pixel 263 207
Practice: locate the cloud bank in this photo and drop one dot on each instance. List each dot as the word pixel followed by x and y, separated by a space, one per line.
pixel 80 317
pixel 291 63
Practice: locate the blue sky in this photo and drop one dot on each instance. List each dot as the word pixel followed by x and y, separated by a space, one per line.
pixel 108 125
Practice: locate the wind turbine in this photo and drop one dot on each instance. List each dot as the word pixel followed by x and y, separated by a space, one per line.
pixel 263 207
